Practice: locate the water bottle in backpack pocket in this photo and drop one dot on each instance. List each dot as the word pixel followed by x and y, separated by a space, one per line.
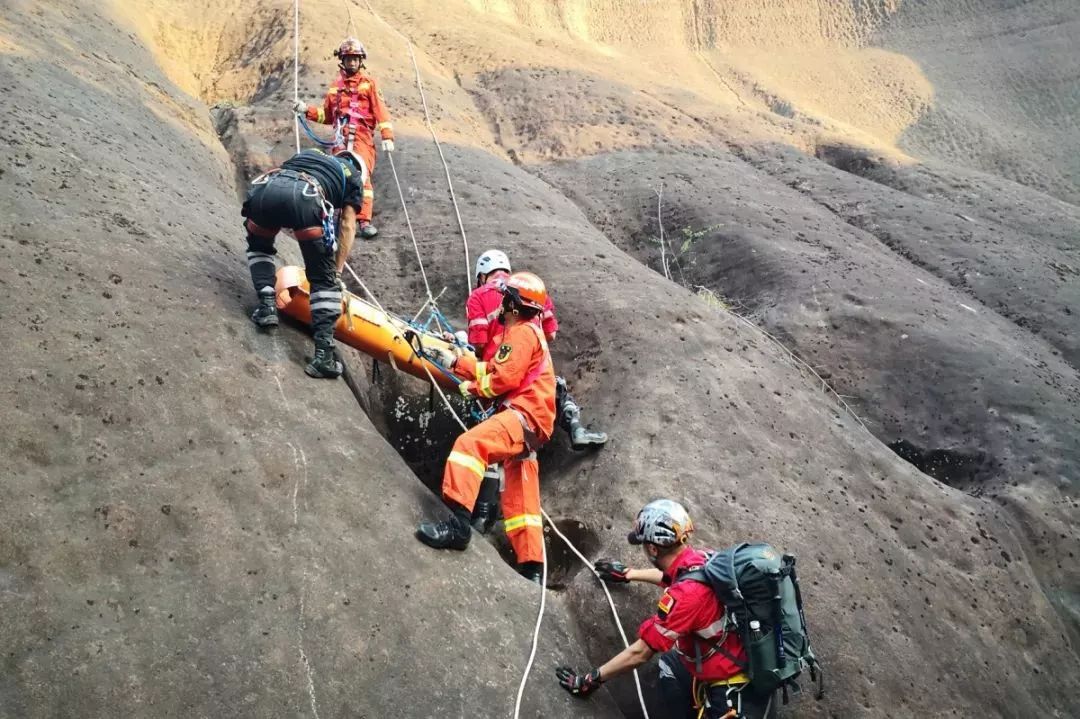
pixel 761 656
pixel 760 593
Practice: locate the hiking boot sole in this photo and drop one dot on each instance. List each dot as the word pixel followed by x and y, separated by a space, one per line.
pixel 317 373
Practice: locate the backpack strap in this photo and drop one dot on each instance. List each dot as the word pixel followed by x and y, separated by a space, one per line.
pixel 697 574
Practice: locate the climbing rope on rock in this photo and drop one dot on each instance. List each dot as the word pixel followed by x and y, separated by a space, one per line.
pixel 397 182
pixel 431 301
pixel 543 584
pixel 435 139
pixel 296 68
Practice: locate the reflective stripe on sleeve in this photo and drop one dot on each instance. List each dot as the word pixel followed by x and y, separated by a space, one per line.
pixel 666 632
pixel 712 630
pixel 483 386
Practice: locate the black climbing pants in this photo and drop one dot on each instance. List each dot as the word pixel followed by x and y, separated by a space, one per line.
pixel 566 409
pixel 677 690
pixel 287 200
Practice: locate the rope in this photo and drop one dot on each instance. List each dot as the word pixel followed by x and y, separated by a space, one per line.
pixel 543 577
pixel 390 155
pixel 435 139
pixel 610 601
pixel 543 595
pixel 536 629
pixel 315 138
pixel 296 68
pixel 408 223
pixel 468 278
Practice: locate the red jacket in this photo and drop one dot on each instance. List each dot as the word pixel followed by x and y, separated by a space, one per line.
pixel 687 612
pixel 482 311
pixel 521 374
pixel 355 99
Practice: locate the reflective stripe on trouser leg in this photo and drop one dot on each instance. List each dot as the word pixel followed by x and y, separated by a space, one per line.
pixel 493 440
pixel 566 409
pixel 367 152
pixel 325 295
pixel 521 509
pixel 367 206
pixel 260 259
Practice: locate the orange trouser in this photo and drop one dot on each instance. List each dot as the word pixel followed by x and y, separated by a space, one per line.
pixel 500 439
pixel 367 152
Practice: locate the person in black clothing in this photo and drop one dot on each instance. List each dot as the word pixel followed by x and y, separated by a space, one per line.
pixel 302 195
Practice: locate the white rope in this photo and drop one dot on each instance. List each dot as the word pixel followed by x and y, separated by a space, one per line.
pixel 296 69
pixel 543 594
pixel 369 293
pixel 543 571
pixel 536 629
pixel 468 275
pixel 660 220
pixel 435 139
pixel 610 601
pixel 412 235
pixel 397 182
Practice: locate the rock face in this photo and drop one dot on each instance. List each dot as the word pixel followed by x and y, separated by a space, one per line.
pixel 194 528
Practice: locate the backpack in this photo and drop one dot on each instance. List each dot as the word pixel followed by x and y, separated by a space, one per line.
pixel 755 582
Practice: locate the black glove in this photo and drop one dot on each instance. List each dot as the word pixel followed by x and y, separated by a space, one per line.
pixel 612 571
pixel 580 685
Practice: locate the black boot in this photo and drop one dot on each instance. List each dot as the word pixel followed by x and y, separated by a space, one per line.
pixel 582 438
pixel 486 510
pixel 325 364
pixel 484 516
pixel 265 315
pixel 454 533
pixel 533 571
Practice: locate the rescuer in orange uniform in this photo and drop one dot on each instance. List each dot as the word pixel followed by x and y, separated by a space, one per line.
pixel 355 108
pixel 521 376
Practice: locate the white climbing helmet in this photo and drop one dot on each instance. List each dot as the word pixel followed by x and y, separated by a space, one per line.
pixel 663 522
pixel 490 261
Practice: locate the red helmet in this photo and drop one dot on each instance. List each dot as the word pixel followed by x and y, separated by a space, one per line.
pixel 527 290
pixel 350 46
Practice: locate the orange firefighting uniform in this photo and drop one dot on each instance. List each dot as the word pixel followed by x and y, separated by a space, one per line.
pixel 521 374
pixel 356 103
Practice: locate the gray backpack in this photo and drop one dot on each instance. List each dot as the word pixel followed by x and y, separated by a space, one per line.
pixel 754 582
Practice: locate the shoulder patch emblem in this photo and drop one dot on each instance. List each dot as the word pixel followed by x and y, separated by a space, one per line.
pixel 504 353
pixel 365 86
pixel 665 605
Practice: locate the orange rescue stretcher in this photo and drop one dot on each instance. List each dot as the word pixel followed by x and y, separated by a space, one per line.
pixel 365 327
